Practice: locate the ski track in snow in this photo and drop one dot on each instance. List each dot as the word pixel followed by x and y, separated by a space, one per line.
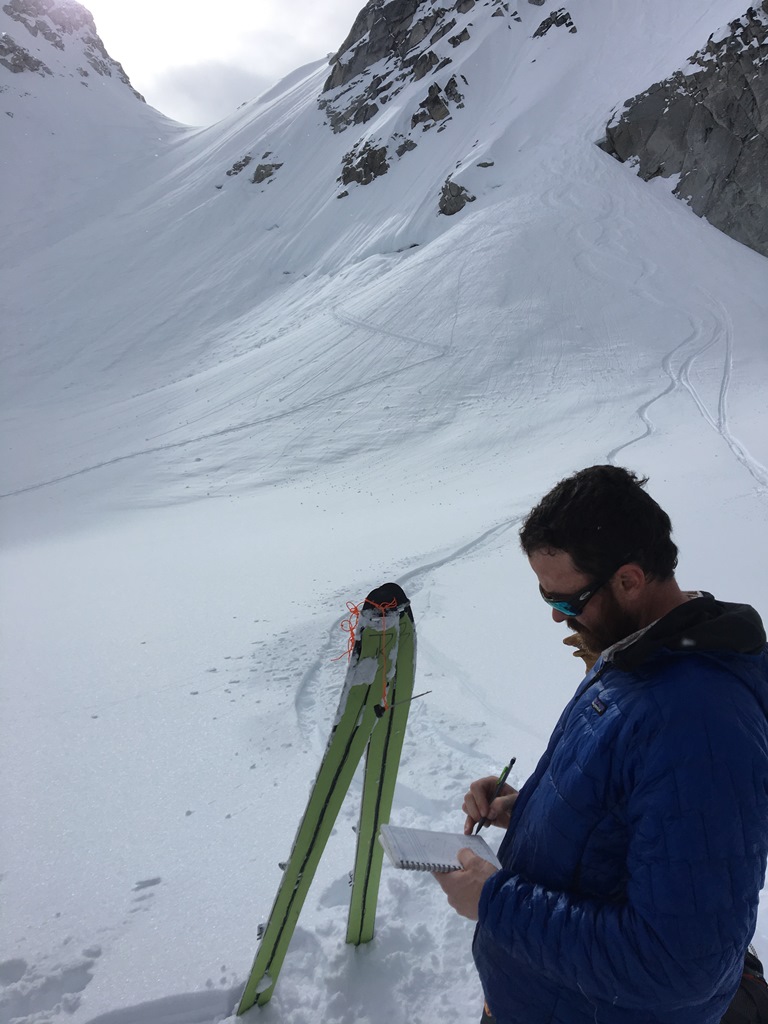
pixel 758 471
pixel 385 332
pixel 638 275
pixel 350 387
pixel 674 384
pixel 721 334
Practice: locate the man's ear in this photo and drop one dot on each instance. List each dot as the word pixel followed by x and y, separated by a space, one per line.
pixel 630 580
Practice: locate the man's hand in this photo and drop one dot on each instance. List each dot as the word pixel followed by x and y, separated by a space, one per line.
pixel 479 803
pixel 463 887
pixel 588 656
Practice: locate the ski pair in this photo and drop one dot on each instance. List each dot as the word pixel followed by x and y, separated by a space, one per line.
pixel 371 718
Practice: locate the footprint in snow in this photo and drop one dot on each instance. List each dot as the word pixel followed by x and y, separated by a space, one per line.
pixel 27 989
pixel 336 894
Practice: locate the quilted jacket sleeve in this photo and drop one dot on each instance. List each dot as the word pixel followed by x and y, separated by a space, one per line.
pixel 695 776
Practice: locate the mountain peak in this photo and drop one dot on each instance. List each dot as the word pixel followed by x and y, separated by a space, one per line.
pixel 55 38
pixel 392 43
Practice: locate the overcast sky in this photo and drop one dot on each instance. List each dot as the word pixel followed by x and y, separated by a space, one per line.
pixel 197 63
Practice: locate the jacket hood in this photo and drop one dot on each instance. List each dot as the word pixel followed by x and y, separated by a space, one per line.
pixel 702 624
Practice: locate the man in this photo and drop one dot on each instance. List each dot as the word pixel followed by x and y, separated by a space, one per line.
pixel 635 853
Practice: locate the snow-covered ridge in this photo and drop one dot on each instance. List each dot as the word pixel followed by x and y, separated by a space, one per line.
pixel 393 45
pixel 736 35
pixel 69 119
pixel 390 44
pixel 59 38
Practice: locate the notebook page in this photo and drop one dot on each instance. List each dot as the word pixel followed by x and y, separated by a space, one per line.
pixel 424 850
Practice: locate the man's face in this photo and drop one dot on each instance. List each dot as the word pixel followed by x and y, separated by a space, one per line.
pixel 604 620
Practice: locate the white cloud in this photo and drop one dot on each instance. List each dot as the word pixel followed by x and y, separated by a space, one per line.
pixel 238 48
pixel 204 93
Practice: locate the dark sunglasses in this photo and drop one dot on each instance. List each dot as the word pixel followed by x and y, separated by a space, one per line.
pixel 574 604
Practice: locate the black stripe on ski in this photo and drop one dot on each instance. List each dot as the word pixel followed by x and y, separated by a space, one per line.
pixel 318 826
pixel 371 847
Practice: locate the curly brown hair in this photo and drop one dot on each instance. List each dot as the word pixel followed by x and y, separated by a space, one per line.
pixel 603 518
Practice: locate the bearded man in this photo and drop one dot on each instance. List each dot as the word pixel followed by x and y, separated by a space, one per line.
pixel 635 853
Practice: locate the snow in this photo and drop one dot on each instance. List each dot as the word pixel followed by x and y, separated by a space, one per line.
pixel 227 412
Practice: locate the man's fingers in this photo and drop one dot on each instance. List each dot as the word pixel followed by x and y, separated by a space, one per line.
pixel 479 803
pixel 501 805
pixel 473 813
pixel 477 800
pixel 474 805
pixel 465 857
pixel 463 888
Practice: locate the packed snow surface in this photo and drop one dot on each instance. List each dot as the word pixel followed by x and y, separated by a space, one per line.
pixel 229 410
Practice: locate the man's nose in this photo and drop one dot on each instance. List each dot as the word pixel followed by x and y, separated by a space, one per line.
pixel 558 616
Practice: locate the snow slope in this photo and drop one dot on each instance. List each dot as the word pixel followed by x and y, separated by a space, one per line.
pixel 226 411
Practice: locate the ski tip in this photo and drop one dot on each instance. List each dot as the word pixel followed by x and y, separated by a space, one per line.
pixel 385 594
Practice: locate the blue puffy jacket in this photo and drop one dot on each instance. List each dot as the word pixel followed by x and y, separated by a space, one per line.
pixel 636 851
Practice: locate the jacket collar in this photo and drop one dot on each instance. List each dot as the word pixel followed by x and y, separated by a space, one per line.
pixel 701 624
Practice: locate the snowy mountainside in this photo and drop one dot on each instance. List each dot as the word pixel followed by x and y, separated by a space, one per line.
pixel 72 128
pixel 231 405
pixel 289 243
pixel 65 27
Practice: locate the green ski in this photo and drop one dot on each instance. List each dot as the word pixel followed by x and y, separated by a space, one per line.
pixel 381 765
pixel 381 664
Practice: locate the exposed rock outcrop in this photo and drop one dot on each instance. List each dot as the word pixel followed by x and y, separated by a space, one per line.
pixel 391 43
pixel 17 59
pixel 265 172
pixel 434 107
pixel 709 125
pixel 379 30
pixel 363 164
pixel 239 165
pixel 557 19
pixel 453 198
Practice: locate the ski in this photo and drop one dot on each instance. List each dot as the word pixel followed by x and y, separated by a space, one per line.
pixel 364 711
pixel 382 760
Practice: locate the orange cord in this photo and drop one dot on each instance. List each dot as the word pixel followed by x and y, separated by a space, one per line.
pixel 350 626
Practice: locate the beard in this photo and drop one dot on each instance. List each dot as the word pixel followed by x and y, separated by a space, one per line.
pixel 615 624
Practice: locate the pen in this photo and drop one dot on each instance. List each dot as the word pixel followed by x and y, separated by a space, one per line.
pixel 499 786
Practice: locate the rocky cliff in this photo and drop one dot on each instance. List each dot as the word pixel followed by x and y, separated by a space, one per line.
pixel 708 124
pixel 392 45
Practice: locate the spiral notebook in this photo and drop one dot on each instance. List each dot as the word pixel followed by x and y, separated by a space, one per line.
pixel 418 849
